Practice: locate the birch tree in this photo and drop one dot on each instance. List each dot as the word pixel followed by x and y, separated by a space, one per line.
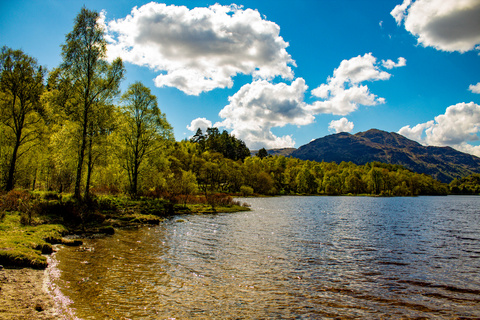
pixel 21 86
pixel 89 80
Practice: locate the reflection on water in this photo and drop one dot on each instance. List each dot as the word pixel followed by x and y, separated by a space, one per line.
pixel 290 257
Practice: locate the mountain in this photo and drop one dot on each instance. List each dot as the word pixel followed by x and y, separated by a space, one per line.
pixel 442 163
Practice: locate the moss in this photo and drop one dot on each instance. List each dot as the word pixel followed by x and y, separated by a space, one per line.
pixel 141 218
pixel 205 208
pixel 107 230
pixel 23 246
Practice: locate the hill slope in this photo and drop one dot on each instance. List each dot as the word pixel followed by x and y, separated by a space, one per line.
pixel 442 163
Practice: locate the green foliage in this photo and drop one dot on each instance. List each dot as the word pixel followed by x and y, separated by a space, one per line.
pixel 262 153
pixel 21 86
pixel 129 149
pixel 23 246
pixel 143 131
pixel 86 84
pixel 466 185
pixel 223 143
pixel 246 191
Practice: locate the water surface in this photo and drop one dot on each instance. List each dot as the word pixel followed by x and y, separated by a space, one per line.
pixel 290 257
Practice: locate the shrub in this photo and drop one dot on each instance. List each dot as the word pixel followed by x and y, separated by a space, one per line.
pixel 51 195
pixel 105 190
pixel 15 200
pixel 246 191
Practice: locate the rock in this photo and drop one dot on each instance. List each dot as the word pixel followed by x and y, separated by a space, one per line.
pixel 107 230
pixel 72 242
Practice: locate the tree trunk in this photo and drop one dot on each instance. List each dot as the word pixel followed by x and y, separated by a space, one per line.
pixel 89 168
pixel 81 156
pixel 135 179
pixel 34 180
pixel 11 171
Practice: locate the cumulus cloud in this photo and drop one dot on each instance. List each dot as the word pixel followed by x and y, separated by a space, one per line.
pixel 260 106
pixel 400 11
pixel 447 25
pixel 341 125
pixel 342 94
pixel 200 123
pixel 456 128
pixel 200 49
pixel 475 88
pixel 389 64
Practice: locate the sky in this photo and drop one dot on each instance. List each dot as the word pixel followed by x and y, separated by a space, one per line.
pixel 282 73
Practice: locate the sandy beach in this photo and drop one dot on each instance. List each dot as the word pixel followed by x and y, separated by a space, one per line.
pixel 23 295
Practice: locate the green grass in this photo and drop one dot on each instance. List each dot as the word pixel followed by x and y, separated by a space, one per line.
pixel 205 208
pixel 22 246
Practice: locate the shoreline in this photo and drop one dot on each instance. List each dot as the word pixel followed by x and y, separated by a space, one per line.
pixel 24 295
pixel 27 290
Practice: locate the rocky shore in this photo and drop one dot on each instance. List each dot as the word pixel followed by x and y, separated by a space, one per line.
pixel 24 295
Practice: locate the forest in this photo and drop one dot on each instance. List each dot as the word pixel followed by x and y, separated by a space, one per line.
pixel 71 130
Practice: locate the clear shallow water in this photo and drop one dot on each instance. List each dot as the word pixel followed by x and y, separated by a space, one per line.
pixel 290 257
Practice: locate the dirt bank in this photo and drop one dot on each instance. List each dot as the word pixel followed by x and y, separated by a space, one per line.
pixel 23 295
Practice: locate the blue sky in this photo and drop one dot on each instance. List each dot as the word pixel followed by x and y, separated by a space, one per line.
pixel 282 73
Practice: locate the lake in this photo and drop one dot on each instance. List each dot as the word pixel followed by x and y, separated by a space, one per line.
pixel 290 257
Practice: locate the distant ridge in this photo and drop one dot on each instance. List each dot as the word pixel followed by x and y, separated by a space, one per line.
pixel 442 163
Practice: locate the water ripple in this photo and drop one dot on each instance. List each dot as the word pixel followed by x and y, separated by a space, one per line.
pixel 290 257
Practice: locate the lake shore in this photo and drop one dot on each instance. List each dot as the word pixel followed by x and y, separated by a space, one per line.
pixel 24 281
pixel 24 295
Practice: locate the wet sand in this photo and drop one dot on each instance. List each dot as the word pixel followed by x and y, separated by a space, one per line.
pixel 24 295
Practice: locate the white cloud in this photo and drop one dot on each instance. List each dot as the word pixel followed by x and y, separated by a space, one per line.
pixel 400 11
pixel 341 125
pixel 200 123
pixel 343 93
pixel 260 106
pixel 448 25
pixel 459 125
pixel 389 64
pixel 475 88
pixel 201 49
pixel 416 133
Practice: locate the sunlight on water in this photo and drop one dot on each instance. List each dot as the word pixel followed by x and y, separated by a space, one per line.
pixel 290 257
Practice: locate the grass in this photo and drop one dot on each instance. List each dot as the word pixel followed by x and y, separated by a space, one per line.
pixel 23 246
pixel 205 209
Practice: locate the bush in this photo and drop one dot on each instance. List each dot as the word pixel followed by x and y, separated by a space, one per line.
pixel 105 190
pixel 51 195
pixel 246 191
pixel 18 200
pixel 15 200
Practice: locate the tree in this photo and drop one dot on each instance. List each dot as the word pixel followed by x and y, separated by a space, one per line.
pixel 101 125
pixel 199 138
pixel 224 143
pixel 21 86
pixel 143 130
pixel 375 180
pixel 262 153
pixel 89 80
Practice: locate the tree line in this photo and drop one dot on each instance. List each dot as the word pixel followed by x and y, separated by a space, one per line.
pixel 72 130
